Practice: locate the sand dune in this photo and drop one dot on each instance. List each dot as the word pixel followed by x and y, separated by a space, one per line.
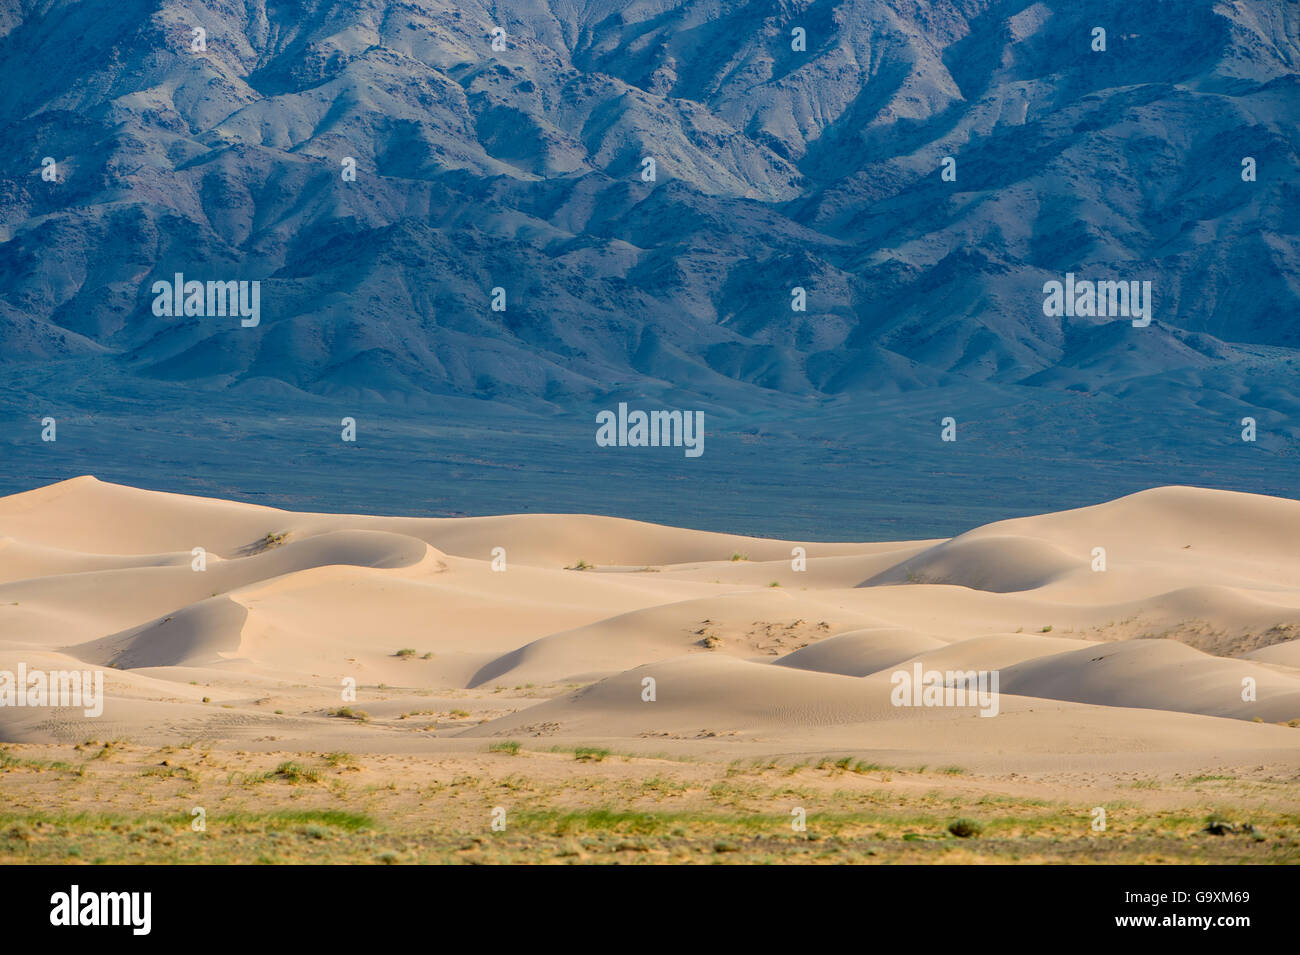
pixel 861 652
pixel 1284 654
pixel 1157 674
pixel 85 602
pixel 703 694
pixel 20 560
pixel 995 652
pixel 757 622
pixel 450 630
pixel 84 514
pixel 201 633
pixel 721 700
pixel 996 564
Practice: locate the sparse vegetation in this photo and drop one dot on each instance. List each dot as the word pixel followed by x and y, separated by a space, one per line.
pixel 294 773
pixel 638 808
pixel 348 713
pixel 271 540
pixel 167 771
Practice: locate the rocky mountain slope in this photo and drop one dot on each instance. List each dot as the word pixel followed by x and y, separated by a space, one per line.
pixel 521 168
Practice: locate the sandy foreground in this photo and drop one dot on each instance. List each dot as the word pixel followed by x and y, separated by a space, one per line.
pixel 356 688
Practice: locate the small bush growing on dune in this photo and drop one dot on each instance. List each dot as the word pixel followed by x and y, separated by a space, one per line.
pixel 348 713
pixel 580 565
pixel 506 746
pixel 294 773
pixel 590 754
pixel 1046 629
pixel 965 828
pixel 459 714
pixel 737 555
pixel 405 652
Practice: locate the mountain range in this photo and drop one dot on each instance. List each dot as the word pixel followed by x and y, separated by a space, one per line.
pixel 521 168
